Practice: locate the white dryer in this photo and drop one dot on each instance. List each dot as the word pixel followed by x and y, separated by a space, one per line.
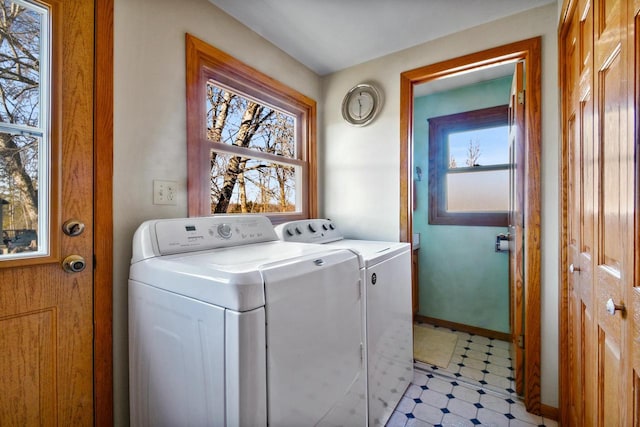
pixel 228 326
pixel 385 268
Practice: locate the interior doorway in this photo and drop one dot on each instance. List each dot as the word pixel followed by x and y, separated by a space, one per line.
pixel 525 292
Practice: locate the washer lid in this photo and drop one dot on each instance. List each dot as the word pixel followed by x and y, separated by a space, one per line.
pixel 371 252
pixel 228 277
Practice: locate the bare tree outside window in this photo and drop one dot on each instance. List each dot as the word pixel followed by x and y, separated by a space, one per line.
pixel 452 162
pixel 473 154
pixel 242 184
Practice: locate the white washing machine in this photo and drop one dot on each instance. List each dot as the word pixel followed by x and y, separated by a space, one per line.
pixel 385 268
pixel 228 326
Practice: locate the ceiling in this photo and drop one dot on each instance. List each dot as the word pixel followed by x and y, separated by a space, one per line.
pixel 331 35
pixel 464 79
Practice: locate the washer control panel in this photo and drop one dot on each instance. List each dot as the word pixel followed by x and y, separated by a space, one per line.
pixel 309 231
pixel 202 233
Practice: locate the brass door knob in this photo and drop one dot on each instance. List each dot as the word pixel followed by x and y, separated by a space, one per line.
pixel 74 264
pixel 73 227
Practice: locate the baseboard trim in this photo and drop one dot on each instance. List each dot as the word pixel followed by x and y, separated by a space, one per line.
pixel 464 328
pixel 549 412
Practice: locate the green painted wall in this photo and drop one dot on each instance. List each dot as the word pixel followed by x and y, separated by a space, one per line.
pixel 462 278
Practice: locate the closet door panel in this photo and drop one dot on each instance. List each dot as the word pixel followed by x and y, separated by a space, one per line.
pixel 611 191
pixel 600 224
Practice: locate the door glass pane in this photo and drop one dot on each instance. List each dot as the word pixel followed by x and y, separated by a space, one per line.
pixel 24 124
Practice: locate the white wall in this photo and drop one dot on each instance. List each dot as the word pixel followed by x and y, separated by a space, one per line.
pixel 359 167
pixel 150 133
pixel 359 175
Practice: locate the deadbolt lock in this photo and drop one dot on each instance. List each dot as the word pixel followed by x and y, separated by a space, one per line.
pixel 74 264
pixel 73 227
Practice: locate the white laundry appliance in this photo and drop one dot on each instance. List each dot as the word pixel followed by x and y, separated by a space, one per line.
pixel 228 326
pixel 385 268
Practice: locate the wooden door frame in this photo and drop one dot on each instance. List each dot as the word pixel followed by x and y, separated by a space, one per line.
pixel 530 51
pixel 103 214
pixel 563 310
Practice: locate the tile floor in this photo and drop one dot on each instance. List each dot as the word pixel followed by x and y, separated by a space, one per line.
pixel 475 389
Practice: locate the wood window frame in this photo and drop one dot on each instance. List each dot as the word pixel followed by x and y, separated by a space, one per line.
pixel 439 130
pixel 204 63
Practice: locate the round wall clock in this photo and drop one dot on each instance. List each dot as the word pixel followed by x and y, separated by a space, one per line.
pixel 361 104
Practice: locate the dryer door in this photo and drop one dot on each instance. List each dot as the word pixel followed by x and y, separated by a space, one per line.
pixel 389 334
pixel 315 369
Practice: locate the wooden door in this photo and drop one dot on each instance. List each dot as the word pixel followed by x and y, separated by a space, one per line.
pixel 46 313
pixel 516 222
pixel 599 234
pixel 613 257
pixel 581 162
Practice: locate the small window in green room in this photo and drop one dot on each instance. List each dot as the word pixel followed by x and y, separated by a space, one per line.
pixel 469 168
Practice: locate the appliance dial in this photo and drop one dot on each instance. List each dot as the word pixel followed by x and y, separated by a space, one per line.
pixel 224 231
pixel 312 228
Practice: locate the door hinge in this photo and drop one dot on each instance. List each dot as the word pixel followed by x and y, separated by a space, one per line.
pixel 521 341
pixel 521 97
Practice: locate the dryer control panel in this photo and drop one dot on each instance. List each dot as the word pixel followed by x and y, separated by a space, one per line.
pixel 309 231
pixel 180 235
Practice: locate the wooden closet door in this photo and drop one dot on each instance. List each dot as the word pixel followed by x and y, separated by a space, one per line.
pixel 614 180
pixel 598 68
pixel 578 114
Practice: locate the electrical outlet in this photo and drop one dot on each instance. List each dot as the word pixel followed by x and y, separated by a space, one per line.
pixel 165 192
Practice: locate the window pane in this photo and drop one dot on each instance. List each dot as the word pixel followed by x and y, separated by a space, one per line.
pixel 20 30
pixel 24 139
pixel 479 147
pixel 478 191
pixel 245 185
pixel 235 120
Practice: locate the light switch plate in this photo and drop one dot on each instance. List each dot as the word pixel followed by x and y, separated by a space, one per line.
pixel 165 192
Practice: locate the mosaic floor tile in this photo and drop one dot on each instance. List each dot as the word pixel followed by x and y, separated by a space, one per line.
pixel 477 388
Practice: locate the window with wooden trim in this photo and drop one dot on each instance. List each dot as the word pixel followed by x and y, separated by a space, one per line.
pixel 469 168
pixel 250 140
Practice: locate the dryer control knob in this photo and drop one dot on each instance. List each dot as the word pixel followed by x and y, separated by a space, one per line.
pixel 224 231
pixel 298 231
pixel 289 232
pixel 312 228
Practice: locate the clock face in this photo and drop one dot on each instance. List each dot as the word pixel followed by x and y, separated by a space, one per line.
pixel 361 104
